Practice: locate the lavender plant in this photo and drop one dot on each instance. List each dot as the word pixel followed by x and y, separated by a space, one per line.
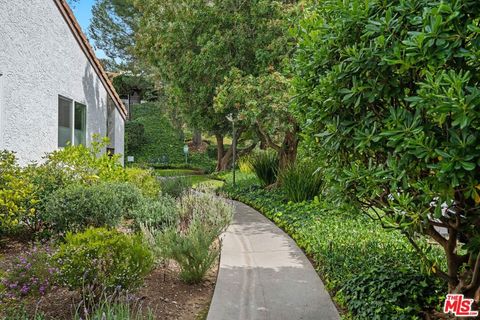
pixel 32 273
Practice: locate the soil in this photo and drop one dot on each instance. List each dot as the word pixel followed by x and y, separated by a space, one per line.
pixel 163 293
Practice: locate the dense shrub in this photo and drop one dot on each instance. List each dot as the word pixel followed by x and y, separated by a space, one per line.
pixel 192 249
pixel 144 180
pixel 206 208
pixel 388 94
pixel 134 136
pixel 87 164
pixel 79 206
pixel 301 181
pixel 174 186
pixel 358 259
pixel 202 218
pixel 17 194
pixel 157 214
pixel 33 273
pixel 128 195
pixel 265 165
pixel 103 260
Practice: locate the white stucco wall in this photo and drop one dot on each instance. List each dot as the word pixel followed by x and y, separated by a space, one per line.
pixel 40 59
pixel 119 136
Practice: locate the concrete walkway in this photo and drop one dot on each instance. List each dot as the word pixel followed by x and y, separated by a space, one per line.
pixel 264 275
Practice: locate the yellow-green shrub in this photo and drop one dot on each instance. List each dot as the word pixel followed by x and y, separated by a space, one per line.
pixel 245 164
pixel 88 164
pixel 17 197
pixel 144 180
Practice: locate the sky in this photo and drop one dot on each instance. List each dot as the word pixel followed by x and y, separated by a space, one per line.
pixel 83 12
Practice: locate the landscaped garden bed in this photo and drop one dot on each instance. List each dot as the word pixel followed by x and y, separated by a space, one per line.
pixel 83 238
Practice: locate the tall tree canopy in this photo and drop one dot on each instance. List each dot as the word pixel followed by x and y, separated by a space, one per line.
pixel 113 28
pixel 194 44
pixel 390 91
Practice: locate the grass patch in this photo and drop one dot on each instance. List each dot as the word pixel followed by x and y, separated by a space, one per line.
pixel 176 172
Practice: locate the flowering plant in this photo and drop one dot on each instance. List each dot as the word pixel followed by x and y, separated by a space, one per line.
pixel 32 274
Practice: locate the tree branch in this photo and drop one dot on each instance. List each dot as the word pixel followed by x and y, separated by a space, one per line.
pixel 267 138
pixel 476 274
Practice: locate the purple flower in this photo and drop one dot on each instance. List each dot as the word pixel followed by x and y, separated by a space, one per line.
pixel 42 290
pixel 24 289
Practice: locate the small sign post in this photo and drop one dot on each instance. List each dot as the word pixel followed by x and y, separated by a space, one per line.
pixel 185 151
pixel 130 158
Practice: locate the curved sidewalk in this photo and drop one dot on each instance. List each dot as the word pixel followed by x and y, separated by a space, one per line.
pixel 264 275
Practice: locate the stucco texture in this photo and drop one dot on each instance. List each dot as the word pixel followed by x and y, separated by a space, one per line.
pixel 40 59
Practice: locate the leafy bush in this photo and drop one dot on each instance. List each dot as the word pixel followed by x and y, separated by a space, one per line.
pixel 265 165
pixel 84 164
pixel 202 218
pixel 174 187
pixel 78 206
pixel 205 208
pixel 301 181
pixel 144 180
pixel 191 249
pixel 17 194
pixel 388 92
pixel 358 259
pixel 103 260
pixel 134 136
pixel 33 273
pixel 128 195
pixel 157 214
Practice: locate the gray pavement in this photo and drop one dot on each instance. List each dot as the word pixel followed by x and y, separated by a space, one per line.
pixel 264 275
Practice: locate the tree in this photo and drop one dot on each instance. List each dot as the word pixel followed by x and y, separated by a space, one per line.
pixel 390 93
pixel 192 45
pixel 113 27
pixel 262 103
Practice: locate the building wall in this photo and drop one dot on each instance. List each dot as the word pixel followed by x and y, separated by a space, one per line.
pixel 40 59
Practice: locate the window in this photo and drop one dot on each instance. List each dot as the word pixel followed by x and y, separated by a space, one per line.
pixel 64 121
pixel 72 122
pixel 80 123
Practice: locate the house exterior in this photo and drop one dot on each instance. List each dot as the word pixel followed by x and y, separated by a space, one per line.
pixel 53 90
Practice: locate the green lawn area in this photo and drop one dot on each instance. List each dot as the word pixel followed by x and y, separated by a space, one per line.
pixel 176 172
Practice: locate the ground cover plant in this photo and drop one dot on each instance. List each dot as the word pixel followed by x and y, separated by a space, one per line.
pixel 349 251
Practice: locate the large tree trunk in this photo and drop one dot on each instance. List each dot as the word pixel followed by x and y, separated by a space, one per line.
pixel 197 138
pixel 224 157
pixel 220 151
pixel 288 150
